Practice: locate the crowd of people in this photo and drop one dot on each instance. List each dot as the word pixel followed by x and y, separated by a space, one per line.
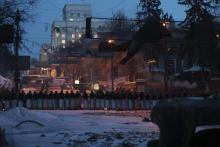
pixel 117 94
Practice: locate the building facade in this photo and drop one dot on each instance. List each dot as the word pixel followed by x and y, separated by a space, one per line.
pixel 69 32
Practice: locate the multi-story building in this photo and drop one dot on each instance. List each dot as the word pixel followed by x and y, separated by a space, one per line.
pixel 70 30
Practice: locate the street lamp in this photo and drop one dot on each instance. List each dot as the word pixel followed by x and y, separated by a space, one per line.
pixel 165 24
pixel 110 41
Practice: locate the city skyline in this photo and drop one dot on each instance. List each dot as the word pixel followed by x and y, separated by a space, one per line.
pixel 47 11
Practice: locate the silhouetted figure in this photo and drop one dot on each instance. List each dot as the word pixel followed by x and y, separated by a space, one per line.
pixel 67 100
pixel 51 100
pixel 21 98
pixel 35 100
pixel 78 100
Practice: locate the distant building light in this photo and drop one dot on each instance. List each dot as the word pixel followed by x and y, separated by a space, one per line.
pixel 151 61
pixel 71 19
pixel 164 24
pixel 63 35
pixel 96 86
pixel 96 35
pixel 77 82
pixel 110 41
pixel 80 35
pixel 217 35
pixel 63 41
pixel 73 35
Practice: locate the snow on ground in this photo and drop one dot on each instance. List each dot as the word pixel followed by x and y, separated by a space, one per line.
pixel 50 128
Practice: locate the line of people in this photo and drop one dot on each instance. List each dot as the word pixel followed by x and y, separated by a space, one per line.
pixel 97 94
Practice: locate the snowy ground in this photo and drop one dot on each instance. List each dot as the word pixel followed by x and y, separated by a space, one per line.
pixel 77 128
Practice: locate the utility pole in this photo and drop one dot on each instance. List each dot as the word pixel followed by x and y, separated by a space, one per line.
pixel 16 50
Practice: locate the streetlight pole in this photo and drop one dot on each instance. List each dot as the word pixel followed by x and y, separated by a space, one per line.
pixel 112 66
pixel 166 87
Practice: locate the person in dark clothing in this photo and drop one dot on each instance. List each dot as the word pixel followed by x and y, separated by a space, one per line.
pixel 51 100
pixel 67 100
pixel 72 100
pixel 29 96
pixel 78 100
pixel 44 100
pixel 92 99
pixel 35 100
pixel 56 100
pixel 21 97
pixel 61 97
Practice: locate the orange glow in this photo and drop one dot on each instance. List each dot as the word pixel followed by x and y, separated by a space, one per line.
pixel 110 41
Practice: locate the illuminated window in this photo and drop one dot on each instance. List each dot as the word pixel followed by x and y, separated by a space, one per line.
pixel 63 41
pixel 73 36
pixel 80 35
pixel 95 35
pixel 63 36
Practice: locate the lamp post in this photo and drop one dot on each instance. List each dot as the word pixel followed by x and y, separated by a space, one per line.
pixel 165 24
pixel 110 41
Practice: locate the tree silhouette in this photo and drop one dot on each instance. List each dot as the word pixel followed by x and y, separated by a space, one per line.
pixel 119 23
pixel 200 42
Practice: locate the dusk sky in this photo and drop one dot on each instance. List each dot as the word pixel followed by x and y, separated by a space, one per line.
pixel 49 10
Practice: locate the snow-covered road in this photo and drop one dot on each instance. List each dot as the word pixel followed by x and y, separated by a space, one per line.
pixel 77 128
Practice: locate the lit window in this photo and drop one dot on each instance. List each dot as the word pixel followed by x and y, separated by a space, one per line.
pixel 73 36
pixel 63 35
pixel 80 35
pixel 95 35
pixel 71 19
pixel 63 41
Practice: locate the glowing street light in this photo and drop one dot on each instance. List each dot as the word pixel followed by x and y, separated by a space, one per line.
pixel 110 41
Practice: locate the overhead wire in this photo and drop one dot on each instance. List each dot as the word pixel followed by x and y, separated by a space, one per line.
pixel 110 8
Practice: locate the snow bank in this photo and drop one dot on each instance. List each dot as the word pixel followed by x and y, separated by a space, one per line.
pixel 16 115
